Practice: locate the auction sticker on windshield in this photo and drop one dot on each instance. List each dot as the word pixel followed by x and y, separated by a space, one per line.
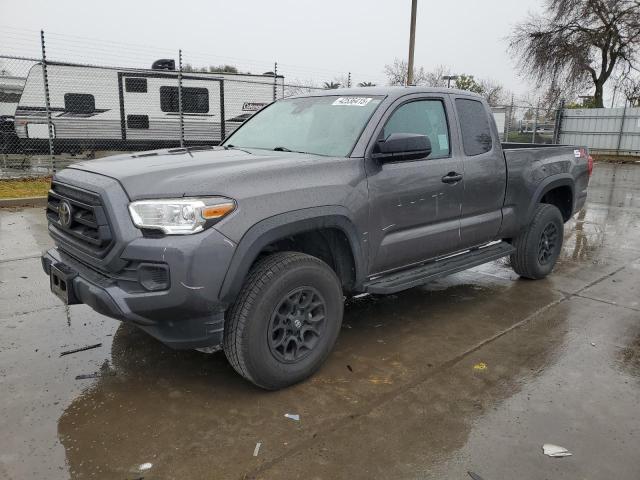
pixel 353 101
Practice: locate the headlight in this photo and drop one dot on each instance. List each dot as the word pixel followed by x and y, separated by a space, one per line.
pixel 180 216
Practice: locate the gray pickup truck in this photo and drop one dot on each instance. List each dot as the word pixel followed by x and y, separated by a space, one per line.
pixel 252 246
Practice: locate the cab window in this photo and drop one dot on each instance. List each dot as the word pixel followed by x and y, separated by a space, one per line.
pixel 423 117
pixel 474 124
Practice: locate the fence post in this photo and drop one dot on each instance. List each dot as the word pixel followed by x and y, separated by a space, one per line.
pixel 506 134
pixel 223 128
pixel 535 122
pixel 180 113
pixel 558 124
pixel 349 80
pixel 275 81
pixel 624 115
pixel 47 104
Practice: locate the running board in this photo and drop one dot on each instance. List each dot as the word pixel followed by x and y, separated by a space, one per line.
pixel 397 281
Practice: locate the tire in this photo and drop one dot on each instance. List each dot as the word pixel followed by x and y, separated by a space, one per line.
pixel 279 309
pixel 538 247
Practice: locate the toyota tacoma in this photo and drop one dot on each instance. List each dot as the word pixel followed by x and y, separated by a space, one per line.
pixel 252 246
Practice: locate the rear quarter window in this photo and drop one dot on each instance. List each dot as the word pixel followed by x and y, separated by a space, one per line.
pixel 475 127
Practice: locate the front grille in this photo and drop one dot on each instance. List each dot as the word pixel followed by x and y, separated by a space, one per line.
pixel 79 218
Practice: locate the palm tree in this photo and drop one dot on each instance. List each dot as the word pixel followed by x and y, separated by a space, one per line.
pixel 366 84
pixel 331 85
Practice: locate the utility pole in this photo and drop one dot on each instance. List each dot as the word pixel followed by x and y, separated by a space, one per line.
pixel 412 41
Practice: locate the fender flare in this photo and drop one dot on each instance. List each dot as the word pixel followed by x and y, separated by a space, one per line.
pixel 283 225
pixel 548 184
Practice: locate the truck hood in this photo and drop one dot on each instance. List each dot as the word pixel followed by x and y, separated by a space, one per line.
pixel 180 173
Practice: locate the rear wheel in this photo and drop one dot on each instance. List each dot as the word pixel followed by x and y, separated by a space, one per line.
pixel 285 321
pixel 538 247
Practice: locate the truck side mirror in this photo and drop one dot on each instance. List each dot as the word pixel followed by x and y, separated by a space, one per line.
pixel 399 147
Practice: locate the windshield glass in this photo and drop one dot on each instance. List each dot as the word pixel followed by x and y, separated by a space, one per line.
pixel 327 125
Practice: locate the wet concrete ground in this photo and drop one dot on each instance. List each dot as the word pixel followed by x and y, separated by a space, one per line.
pixel 404 394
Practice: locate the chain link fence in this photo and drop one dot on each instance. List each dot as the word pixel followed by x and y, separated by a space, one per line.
pixel 527 124
pixel 55 113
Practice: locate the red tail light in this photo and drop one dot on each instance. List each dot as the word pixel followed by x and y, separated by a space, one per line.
pixel 584 154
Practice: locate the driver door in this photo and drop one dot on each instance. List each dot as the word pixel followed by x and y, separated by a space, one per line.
pixel 414 207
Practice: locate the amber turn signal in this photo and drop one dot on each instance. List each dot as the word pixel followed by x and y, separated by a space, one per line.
pixel 217 211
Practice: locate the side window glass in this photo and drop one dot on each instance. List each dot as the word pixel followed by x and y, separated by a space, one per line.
pixel 423 117
pixel 79 103
pixel 134 84
pixel 194 100
pixel 474 124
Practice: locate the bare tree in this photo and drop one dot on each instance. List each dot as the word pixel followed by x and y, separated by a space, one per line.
pixel 493 92
pixel 434 78
pixel 631 89
pixel 579 42
pixel 397 73
pixel 300 87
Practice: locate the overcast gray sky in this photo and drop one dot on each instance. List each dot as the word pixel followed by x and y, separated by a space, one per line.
pixel 309 39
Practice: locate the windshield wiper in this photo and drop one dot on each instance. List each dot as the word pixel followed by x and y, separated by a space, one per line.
pixel 282 149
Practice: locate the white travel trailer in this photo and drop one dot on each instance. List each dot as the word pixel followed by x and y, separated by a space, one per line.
pixel 94 108
pixel 10 91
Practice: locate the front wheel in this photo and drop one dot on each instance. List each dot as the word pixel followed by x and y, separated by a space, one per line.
pixel 538 247
pixel 285 321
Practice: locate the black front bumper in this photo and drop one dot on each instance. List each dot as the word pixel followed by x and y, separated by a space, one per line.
pixel 181 320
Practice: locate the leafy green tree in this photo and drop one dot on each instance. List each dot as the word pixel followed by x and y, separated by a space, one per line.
pixel 467 82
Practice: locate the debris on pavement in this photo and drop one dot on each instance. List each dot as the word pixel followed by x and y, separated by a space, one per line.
pixel 145 466
pixel 555 451
pixel 85 376
pixel 81 349
pixel 349 368
pixel 478 367
pixel 257 449
pixel 293 416
pixel 475 476
pixel 593 344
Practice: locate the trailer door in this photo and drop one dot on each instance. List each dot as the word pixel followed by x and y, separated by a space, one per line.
pixel 150 109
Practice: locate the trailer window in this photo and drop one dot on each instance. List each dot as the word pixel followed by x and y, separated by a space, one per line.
pixel 79 103
pixel 138 121
pixel 474 124
pixel 9 97
pixel 194 100
pixel 135 85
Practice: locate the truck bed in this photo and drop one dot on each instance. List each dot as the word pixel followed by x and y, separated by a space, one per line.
pixel 532 168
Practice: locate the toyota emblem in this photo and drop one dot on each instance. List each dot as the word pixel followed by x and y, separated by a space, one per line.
pixel 64 214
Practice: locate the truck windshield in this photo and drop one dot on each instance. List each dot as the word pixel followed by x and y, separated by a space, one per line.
pixel 327 125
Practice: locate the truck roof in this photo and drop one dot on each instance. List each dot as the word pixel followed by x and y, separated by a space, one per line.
pixel 391 92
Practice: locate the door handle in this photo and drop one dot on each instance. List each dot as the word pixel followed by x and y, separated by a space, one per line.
pixel 452 177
